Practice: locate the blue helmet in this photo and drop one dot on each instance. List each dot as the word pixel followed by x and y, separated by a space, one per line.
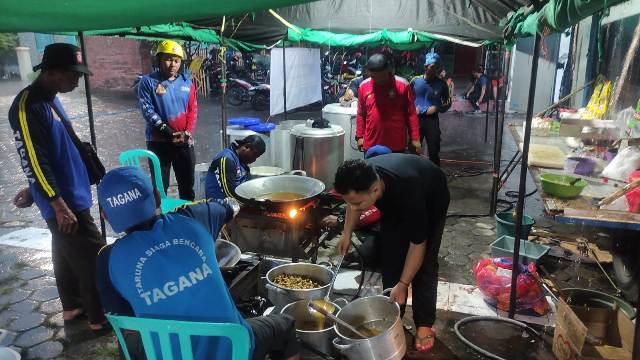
pixel 431 58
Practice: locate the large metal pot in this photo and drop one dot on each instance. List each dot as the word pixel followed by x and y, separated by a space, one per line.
pixel 345 117
pixel 373 312
pixel 254 191
pixel 312 330
pixel 281 296
pixel 319 152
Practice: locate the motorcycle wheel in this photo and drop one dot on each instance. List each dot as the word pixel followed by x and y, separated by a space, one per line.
pixel 260 102
pixel 235 95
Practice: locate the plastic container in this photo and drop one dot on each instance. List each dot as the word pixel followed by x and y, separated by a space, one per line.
pixel 529 251
pixel 559 185
pixel 506 225
pixel 262 127
pixel 243 121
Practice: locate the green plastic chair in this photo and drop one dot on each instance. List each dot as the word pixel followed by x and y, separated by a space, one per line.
pixel 238 334
pixel 132 158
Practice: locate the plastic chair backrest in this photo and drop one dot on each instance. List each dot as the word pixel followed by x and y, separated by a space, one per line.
pixel 132 158
pixel 238 334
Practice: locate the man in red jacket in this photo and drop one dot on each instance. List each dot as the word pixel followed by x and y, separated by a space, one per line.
pixel 386 110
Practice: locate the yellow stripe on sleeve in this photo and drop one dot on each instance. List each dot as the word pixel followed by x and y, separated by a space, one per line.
pixel 22 115
pixel 225 186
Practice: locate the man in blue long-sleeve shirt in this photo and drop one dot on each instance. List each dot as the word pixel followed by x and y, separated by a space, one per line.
pixel 58 180
pixel 432 97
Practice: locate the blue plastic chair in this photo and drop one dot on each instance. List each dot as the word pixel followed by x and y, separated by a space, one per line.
pixel 238 334
pixel 132 158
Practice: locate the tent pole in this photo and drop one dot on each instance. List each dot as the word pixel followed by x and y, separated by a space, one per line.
pixel 92 128
pixel 636 338
pixel 223 97
pixel 497 135
pixel 284 76
pixel 486 96
pixel 523 175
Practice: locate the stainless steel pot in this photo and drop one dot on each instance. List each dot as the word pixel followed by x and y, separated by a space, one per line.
pixel 317 151
pixel 227 253
pixel 314 331
pixel 373 312
pixel 281 296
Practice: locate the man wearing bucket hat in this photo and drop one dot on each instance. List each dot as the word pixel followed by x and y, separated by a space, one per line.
pixel 412 194
pixel 432 97
pixel 169 107
pixel 58 180
pixel 230 167
pixel 165 268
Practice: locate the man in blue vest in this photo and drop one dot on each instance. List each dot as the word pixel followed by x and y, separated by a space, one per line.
pixel 230 167
pixel 165 267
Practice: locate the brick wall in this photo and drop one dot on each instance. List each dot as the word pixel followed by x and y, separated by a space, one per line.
pixel 116 62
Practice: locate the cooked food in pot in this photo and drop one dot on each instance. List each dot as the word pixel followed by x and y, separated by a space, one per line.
pixel 296 282
pixel 281 196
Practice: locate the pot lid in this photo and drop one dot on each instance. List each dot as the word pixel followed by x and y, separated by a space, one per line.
pixel 303 130
pixel 339 109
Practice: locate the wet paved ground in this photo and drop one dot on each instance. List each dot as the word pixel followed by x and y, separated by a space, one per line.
pixel 29 306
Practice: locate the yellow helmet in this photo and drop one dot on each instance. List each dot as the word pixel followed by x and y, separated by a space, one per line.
pixel 170 47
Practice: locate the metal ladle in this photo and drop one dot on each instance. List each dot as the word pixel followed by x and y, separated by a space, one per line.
pixel 314 307
pixel 325 303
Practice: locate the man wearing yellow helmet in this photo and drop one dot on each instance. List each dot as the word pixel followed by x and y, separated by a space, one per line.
pixel 168 102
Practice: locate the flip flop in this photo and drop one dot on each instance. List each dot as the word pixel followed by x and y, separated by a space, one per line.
pixel 421 339
pixel 80 316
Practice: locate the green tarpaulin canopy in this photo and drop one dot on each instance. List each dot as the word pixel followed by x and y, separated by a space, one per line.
pixel 556 15
pixel 86 15
pixel 399 40
pixel 180 31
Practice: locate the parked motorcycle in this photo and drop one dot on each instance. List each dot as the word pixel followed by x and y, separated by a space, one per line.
pixel 260 97
pixel 241 91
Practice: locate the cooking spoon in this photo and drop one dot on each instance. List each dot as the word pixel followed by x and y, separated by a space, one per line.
pixel 574 181
pixel 325 303
pixel 314 307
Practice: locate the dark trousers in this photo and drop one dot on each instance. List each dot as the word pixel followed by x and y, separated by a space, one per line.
pixel 183 160
pixel 74 265
pixel 474 97
pixel 384 252
pixel 430 131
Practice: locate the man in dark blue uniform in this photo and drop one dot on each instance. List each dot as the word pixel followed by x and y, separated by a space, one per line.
pixel 230 167
pixel 58 180
pixel 165 267
pixel 432 97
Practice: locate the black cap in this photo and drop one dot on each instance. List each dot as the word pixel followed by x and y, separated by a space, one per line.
pixel 255 142
pixel 62 56
pixel 377 62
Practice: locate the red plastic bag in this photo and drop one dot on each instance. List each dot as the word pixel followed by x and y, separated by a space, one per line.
pixel 493 278
pixel 633 196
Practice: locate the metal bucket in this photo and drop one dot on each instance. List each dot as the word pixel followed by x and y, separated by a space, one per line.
pixel 313 331
pixel 373 312
pixel 281 296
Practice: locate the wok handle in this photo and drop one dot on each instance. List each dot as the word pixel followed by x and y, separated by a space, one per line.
pixel 342 348
pixel 346 302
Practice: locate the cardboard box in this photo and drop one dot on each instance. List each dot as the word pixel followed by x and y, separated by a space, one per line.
pixel 592 333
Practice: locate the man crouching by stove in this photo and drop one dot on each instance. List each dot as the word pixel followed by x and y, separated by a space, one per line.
pixel 165 268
